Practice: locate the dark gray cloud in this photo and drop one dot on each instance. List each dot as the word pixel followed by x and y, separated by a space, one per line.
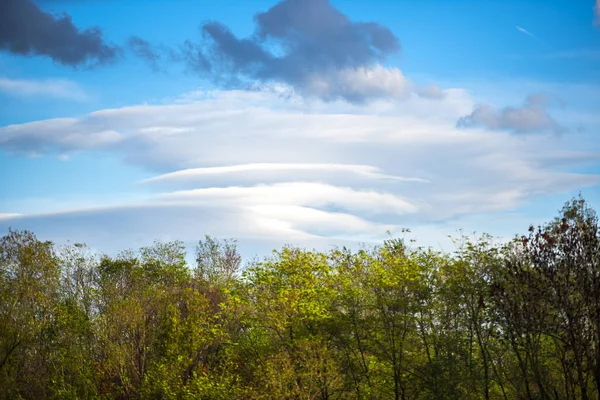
pixel 27 30
pixel 530 118
pixel 299 42
pixel 145 50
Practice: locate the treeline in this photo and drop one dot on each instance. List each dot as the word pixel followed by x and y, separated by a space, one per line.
pixel 518 320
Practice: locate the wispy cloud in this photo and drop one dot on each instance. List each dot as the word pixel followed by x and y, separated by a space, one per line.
pixel 597 13
pixel 155 56
pixel 57 88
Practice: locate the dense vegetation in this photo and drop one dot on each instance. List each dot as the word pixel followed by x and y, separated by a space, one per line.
pixel 519 320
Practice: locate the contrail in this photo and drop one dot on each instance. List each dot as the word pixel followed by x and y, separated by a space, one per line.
pixel 531 35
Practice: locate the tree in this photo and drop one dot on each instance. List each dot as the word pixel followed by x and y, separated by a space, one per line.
pixel 29 282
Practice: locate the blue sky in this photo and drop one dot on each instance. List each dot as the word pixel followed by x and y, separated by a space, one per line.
pixel 344 120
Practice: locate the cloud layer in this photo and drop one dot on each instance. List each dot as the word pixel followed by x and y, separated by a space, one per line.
pixel 27 30
pixel 256 164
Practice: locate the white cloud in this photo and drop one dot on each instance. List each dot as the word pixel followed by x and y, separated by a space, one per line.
pixel 318 222
pixel 367 83
pixel 57 88
pixel 221 128
pixel 269 164
pixel 361 83
pixel 297 194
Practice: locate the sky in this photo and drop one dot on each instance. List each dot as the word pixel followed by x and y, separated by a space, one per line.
pixel 308 122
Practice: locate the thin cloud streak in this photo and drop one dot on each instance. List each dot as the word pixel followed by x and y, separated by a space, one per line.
pixel 363 170
pixel 56 88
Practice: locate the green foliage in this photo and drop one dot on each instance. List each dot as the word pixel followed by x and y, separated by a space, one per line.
pixel 519 320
